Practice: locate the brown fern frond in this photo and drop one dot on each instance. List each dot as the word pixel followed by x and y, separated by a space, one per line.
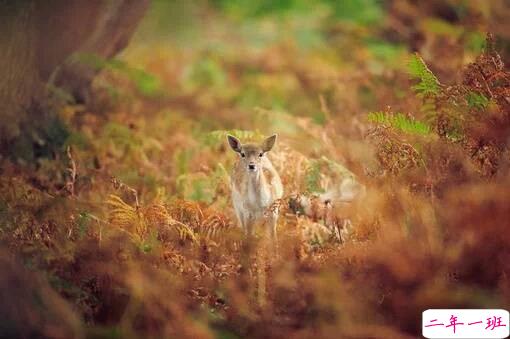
pixel 187 212
pixel 214 227
pixel 126 217
pixel 119 185
pixel 158 215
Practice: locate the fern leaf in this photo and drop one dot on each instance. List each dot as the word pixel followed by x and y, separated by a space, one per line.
pixel 400 122
pixel 477 100
pixel 428 83
pixel 126 218
pixel 313 177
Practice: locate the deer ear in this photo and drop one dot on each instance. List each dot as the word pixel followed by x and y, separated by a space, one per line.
pixel 268 144
pixel 234 143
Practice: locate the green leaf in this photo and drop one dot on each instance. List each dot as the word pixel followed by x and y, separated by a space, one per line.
pixel 400 122
pixel 477 100
pixel 428 83
pixel 313 177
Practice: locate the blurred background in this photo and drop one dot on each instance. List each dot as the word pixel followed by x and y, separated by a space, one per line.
pixel 115 211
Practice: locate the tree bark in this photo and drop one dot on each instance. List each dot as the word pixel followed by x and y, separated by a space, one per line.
pixel 19 84
pixel 38 40
pixel 111 35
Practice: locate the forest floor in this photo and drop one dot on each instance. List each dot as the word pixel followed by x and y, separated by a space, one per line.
pixel 128 230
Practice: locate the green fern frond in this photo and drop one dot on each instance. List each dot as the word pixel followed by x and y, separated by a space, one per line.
pixel 313 177
pixel 477 100
pixel 428 83
pixel 400 122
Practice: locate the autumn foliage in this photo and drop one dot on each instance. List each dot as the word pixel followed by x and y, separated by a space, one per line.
pixel 126 229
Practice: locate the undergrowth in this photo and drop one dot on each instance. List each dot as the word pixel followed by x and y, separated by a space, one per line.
pixel 128 230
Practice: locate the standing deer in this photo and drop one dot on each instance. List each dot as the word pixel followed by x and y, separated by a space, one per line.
pixel 255 186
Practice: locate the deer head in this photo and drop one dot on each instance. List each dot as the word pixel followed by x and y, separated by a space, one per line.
pixel 251 155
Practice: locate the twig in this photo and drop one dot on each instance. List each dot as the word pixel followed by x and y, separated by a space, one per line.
pixel 324 107
pixel 72 171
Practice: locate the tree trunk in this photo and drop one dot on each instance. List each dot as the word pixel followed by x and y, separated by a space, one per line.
pixel 37 42
pixel 19 83
pixel 111 35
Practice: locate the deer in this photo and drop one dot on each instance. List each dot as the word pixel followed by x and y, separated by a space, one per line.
pixel 256 186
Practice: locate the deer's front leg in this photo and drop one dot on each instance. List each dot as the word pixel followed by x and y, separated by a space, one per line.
pixel 249 224
pixel 271 227
pixel 246 225
pixel 240 217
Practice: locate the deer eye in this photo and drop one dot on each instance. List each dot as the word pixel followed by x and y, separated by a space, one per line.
pixel 243 155
pixel 261 154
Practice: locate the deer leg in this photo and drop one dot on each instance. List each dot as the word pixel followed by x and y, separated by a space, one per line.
pixel 248 225
pixel 241 220
pixel 271 229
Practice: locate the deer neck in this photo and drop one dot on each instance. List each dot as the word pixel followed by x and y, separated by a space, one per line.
pixel 258 188
pixel 256 179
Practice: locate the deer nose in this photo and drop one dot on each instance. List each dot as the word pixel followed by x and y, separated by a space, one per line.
pixel 251 166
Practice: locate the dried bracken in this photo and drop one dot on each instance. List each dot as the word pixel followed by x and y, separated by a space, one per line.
pixel 395 167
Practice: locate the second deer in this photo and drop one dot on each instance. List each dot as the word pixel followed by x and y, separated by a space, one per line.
pixel 255 186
